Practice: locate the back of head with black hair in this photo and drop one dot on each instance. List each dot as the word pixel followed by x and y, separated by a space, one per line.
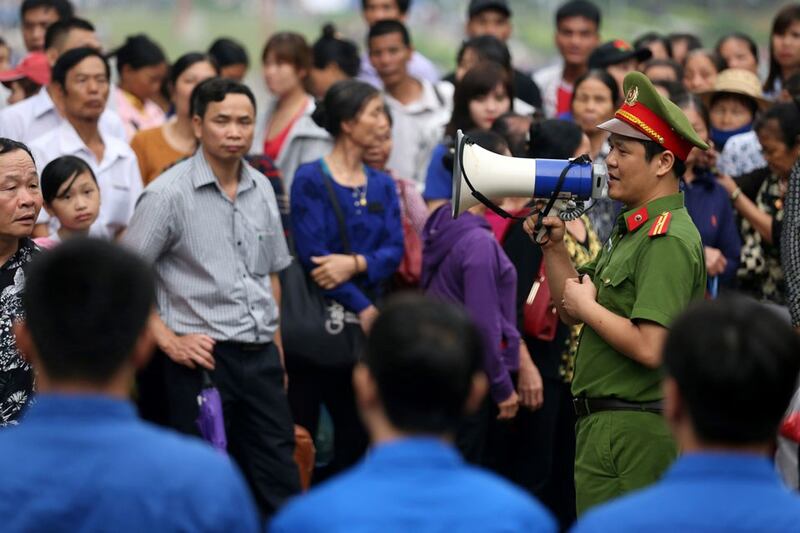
pixel 652 37
pixel 787 116
pixel 69 59
pixel 402 5
pixel 693 42
pixel 344 101
pixel 386 27
pixel 554 139
pixel 10 145
pixel 215 90
pixel 579 8
pixel 86 304
pixel 60 170
pixel 331 49
pixel 423 356
pixel 137 52
pixel 64 8
pixel 487 48
pixel 687 100
pixel 228 52
pixel 736 365
pixel 675 89
pixel 57 32
pixel 657 62
pixel 792 86
pixel 514 128
pixel 186 61
pixel 489 140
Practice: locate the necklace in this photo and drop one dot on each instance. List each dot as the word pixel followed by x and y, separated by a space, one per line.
pixel 360 195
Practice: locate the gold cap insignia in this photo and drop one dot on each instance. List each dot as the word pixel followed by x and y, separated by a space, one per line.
pixel 632 97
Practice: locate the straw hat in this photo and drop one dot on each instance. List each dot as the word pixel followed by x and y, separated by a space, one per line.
pixel 738 81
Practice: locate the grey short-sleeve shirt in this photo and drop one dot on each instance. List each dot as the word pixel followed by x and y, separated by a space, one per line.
pixel 212 256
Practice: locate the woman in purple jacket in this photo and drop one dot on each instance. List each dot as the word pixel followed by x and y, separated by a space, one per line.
pixel 462 262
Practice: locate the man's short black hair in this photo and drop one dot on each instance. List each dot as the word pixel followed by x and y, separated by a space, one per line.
pixel 653 37
pixel 86 304
pixel 423 356
pixel 58 31
pixel 579 8
pixel 736 364
pixel 385 27
pixel 402 5
pixel 64 8
pixel 70 58
pixel 653 149
pixel 215 90
pixel 10 145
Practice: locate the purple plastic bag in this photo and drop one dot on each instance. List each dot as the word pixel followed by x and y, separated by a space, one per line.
pixel 209 417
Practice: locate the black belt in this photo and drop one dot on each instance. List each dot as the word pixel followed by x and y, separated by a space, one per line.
pixel 587 406
pixel 244 346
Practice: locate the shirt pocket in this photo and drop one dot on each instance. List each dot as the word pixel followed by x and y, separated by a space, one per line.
pixel 258 254
pixel 617 291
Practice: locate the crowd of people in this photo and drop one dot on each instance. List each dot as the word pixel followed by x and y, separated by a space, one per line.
pixel 407 366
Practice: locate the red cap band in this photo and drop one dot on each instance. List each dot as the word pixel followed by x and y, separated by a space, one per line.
pixel 643 119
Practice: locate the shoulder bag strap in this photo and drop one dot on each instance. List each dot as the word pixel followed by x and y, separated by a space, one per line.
pixel 337 209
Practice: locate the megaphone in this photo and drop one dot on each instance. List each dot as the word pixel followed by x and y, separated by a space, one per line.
pixel 479 174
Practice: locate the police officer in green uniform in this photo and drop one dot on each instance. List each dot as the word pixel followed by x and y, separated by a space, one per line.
pixel 649 270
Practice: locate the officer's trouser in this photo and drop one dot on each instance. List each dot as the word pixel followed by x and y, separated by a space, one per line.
pixel 617 452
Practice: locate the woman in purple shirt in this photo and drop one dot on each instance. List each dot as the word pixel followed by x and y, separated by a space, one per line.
pixel 709 204
pixel 462 262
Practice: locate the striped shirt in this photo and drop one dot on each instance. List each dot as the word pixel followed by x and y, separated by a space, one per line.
pixel 212 256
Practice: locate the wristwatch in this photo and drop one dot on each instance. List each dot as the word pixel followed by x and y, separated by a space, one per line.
pixel 735 194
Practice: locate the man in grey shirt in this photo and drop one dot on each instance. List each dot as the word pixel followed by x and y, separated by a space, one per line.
pixel 211 227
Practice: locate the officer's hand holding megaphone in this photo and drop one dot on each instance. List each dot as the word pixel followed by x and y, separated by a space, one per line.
pixel 555 229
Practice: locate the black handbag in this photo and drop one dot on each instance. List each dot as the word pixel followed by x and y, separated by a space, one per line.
pixel 317 331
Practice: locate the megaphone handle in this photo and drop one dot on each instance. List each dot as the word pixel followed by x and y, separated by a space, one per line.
pixel 543 231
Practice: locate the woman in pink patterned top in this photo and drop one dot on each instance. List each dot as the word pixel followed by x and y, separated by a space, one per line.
pixel 142 69
pixel 412 206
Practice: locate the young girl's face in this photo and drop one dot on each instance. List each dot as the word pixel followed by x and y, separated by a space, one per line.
pixel 485 109
pixel 281 77
pixel 77 203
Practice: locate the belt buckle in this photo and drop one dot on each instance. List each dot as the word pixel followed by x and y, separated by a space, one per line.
pixel 581 402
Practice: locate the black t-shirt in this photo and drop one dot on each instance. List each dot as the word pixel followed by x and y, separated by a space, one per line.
pixel 526 258
pixel 524 88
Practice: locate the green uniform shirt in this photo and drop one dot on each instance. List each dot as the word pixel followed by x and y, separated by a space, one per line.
pixel 640 277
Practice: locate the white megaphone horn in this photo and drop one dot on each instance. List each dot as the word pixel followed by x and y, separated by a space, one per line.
pixel 480 175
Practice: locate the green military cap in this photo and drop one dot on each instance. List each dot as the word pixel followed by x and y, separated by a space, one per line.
pixel 648 116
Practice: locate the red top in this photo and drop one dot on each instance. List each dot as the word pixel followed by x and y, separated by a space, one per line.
pixel 563 99
pixel 272 147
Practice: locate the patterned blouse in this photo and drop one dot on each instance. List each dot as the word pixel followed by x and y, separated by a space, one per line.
pixel 790 244
pixel 16 375
pixel 760 273
pixel 580 254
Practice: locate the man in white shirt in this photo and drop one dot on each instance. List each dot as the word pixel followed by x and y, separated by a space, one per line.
pixel 577 35
pixel 419 111
pixel 27 120
pixel 419 66
pixel 81 83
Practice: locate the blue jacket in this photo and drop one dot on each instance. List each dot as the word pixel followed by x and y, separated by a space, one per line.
pixel 710 208
pixel 709 492
pixel 87 463
pixel 415 485
pixel 374 230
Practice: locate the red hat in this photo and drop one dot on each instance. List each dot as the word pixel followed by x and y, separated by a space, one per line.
pixel 34 66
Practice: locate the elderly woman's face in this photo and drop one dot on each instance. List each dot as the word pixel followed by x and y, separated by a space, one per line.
pixel 778 155
pixel 20 196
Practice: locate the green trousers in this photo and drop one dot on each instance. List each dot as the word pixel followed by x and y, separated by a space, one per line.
pixel 618 452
